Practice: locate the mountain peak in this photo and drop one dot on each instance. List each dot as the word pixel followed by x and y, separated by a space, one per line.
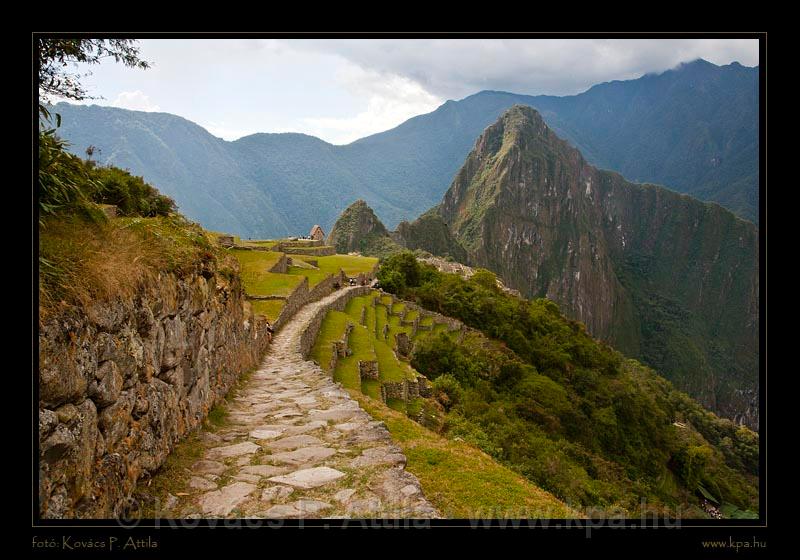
pixel 520 125
pixel 356 226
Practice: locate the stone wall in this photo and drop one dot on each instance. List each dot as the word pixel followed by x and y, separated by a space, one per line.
pixel 297 299
pixel 368 369
pixel 281 266
pixel 309 336
pixel 323 251
pixel 303 295
pixel 120 383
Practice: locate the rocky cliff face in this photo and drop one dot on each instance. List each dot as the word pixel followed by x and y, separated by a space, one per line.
pixel 430 233
pixel 356 229
pixel 121 382
pixel 661 276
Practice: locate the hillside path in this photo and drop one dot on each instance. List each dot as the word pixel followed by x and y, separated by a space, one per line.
pixel 296 445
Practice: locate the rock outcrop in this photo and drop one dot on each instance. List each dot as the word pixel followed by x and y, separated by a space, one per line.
pixel 121 382
pixel 357 229
pixel 661 276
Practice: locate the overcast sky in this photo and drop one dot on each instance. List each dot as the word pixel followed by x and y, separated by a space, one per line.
pixel 342 90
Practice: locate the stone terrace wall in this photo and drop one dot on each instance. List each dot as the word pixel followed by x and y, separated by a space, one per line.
pixel 282 266
pixel 121 382
pixel 302 295
pixel 452 324
pixel 308 337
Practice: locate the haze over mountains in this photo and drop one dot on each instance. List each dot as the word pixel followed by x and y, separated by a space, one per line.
pixel 694 129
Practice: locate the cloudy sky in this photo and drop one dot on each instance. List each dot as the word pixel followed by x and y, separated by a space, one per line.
pixel 342 90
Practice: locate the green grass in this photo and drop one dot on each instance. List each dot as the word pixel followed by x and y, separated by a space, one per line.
pixel 398 308
pixel 271 284
pixel 426 321
pixel 411 315
pixel 386 300
pixel 461 481
pixel 396 404
pixel 394 328
pixel 332 329
pixel 360 344
pixel 391 369
pixel 372 389
pixel 269 308
pixel 259 282
pixel 414 406
pixel 314 276
pixel 354 307
pixel 256 261
pixel 351 265
pixel 266 243
pixel 438 328
pixel 380 320
pixel 303 251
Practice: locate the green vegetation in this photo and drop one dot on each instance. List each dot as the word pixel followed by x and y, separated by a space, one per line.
pixel 257 280
pixel 352 265
pixel 567 412
pixel 82 260
pixel 314 276
pixel 391 369
pixel 269 308
pixel 460 480
pixel 360 344
pixel 261 243
pixel 332 329
pixel 304 251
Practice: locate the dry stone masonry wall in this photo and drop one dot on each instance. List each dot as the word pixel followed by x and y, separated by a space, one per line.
pixel 121 382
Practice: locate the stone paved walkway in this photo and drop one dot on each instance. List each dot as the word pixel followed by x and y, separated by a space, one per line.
pixel 295 444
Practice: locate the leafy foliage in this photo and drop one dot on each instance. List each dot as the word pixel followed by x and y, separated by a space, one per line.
pixel 57 54
pixel 64 180
pixel 568 412
pixel 68 184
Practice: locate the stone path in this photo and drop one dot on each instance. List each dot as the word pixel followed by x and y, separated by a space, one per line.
pixel 295 444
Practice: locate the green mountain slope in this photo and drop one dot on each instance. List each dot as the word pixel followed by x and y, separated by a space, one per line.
pixel 534 390
pixel 661 276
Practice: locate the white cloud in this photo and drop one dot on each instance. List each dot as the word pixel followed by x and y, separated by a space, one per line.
pixel 343 89
pixel 224 130
pixel 135 101
pixel 390 100
pixel 456 68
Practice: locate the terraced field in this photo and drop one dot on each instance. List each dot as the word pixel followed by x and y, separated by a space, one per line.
pixel 366 343
pixel 258 281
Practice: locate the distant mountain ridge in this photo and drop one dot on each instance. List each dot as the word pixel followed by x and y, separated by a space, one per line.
pixel 694 128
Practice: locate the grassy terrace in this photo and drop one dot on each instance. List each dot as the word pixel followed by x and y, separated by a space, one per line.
pixel 264 243
pixel 347 368
pixel 259 282
pixel 460 480
pixel 332 329
pixel 314 276
pixel 269 308
pixel 411 315
pixel 352 265
pixel 302 251
pixel 395 328
pixel 391 369
pixel 367 343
